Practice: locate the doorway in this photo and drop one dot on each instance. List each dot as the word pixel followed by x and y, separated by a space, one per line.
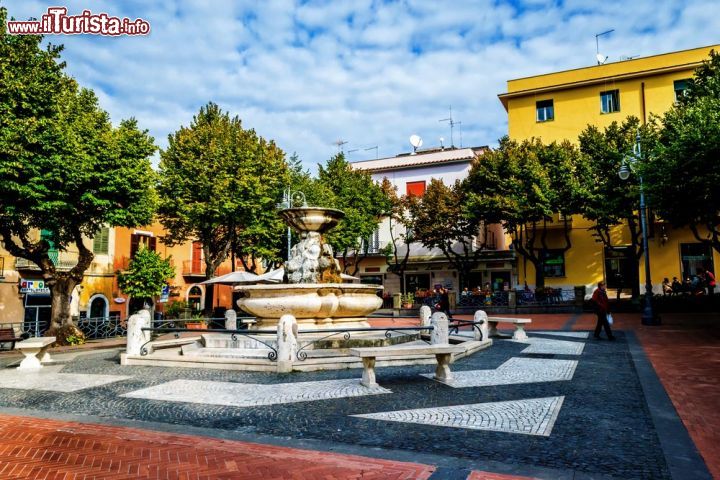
pixel 37 314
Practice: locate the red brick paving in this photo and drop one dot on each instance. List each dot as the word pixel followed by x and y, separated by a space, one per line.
pixel 33 448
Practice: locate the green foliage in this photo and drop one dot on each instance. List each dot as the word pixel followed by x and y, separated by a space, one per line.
pixel 147 275
pixel 176 309
pixel 521 185
pixel 683 172
pixel 354 192
pixel 65 168
pixel 219 183
pixel 441 219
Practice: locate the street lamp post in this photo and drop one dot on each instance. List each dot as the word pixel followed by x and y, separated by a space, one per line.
pixel 648 315
pixel 291 199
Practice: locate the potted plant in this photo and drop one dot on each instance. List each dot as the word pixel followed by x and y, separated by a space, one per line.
pixel 197 323
pixel 408 300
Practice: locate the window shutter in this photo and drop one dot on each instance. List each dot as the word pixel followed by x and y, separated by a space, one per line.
pixel 101 242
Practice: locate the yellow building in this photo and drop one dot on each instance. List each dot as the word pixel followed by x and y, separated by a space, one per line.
pixel 560 105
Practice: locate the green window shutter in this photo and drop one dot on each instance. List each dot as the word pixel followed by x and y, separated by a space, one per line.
pixel 101 242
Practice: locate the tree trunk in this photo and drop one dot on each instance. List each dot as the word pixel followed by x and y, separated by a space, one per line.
pixel 539 274
pixel 61 290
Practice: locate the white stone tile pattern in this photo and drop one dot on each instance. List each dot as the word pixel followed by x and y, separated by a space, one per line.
pixel 515 371
pixel 49 379
pixel 551 346
pixel 250 394
pixel 532 416
pixel 563 334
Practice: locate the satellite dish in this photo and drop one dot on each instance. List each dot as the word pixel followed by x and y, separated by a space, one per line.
pixel 601 58
pixel 416 142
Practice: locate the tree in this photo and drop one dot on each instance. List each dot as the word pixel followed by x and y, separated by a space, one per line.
pixel 66 171
pixel 147 274
pixel 440 219
pixel 364 203
pixel 610 201
pixel 219 184
pixel 682 172
pixel 397 252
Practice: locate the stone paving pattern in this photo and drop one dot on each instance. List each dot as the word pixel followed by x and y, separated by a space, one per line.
pixel 531 416
pixel 252 395
pixel 603 411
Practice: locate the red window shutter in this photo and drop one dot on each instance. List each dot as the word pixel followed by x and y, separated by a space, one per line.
pixel 151 243
pixel 134 244
pixel 416 189
pixel 196 256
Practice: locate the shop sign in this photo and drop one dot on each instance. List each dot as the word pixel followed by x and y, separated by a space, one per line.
pixel 33 286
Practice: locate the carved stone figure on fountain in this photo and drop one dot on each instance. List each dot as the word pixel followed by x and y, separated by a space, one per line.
pixel 312 261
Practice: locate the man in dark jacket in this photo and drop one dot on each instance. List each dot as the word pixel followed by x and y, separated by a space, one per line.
pixel 602 308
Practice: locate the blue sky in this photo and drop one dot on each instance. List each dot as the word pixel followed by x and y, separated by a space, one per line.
pixel 369 72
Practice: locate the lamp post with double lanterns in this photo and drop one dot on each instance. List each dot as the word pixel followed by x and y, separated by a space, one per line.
pixel 628 166
pixel 291 199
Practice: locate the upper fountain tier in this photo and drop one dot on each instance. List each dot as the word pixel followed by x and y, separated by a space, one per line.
pixel 312 219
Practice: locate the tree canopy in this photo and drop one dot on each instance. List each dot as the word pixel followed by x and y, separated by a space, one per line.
pixel 219 184
pixel 682 170
pixel 363 201
pixel 66 170
pixel 147 274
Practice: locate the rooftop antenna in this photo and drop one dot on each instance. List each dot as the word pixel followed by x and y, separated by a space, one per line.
pixel 601 59
pixel 416 142
pixel 452 126
pixel 340 142
pixel 373 148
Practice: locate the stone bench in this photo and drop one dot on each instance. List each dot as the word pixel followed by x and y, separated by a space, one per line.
pixel 35 351
pixel 442 354
pixel 519 323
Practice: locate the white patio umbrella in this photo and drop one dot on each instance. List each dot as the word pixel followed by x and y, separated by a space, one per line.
pixel 233 278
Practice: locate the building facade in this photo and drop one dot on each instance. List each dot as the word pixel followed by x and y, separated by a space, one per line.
pixel 559 106
pixel 428 268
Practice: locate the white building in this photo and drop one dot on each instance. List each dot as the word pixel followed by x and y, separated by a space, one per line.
pixel 411 173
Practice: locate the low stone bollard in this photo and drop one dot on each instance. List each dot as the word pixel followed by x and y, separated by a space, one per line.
pixel 425 314
pixel 439 334
pixel 136 337
pixel 286 343
pixel 230 320
pixel 483 334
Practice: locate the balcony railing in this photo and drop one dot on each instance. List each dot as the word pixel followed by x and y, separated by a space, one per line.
pixel 193 268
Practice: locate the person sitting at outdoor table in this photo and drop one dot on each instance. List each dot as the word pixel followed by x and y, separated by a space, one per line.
pixel 687 286
pixel 465 292
pixel 666 287
pixel 676 286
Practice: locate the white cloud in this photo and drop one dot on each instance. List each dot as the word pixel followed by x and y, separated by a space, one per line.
pixel 369 72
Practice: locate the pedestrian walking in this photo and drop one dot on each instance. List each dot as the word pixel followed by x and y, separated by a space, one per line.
pixel 602 308
pixel 710 282
pixel 444 304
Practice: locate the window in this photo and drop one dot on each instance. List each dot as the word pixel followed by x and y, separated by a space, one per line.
pixel 694 256
pixel 680 87
pixel 136 240
pixel 610 101
pixel 544 110
pixel 554 263
pixel 621 268
pixel 416 189
pixel 101 241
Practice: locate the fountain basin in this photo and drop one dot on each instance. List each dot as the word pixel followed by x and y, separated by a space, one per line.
pixel 314 305
pixel 311 219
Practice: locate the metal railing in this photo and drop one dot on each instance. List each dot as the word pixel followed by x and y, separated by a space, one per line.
pixel 102 327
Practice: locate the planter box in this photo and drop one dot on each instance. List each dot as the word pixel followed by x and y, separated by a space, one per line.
pixel 196 326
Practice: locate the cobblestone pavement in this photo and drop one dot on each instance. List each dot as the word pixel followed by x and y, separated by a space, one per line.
pixel 603 426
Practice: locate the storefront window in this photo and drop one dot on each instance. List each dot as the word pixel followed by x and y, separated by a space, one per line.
pixel 554 263
pixel 417 281
pixel 694 256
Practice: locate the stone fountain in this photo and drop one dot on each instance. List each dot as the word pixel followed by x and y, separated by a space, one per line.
pixel 314 293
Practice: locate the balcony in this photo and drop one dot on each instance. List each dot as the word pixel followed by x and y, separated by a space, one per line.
pixel 63 262
pixel 193 268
